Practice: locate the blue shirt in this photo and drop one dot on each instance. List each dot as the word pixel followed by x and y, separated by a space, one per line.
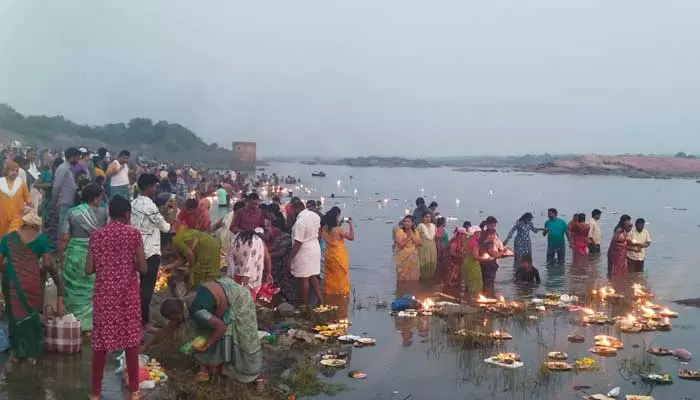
pixel 556 232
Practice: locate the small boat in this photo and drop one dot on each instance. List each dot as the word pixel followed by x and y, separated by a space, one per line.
pixel 689 374
pixel 660 351
pixel 318 174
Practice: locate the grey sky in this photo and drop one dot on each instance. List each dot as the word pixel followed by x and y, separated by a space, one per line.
pixel 357 77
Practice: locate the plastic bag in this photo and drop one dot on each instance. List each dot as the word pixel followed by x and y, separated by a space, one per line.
pixel 188 347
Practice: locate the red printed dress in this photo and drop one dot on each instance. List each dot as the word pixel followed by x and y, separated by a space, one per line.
pixel 116 303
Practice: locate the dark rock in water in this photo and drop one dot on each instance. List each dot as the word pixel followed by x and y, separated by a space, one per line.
pixel 286 309
pixel 689 302
pixel 581 387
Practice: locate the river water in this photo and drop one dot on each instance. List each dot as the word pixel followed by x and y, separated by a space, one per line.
pixel 418 358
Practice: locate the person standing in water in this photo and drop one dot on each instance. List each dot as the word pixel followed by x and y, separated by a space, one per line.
pixel 522 243
pixel 337 262
pixel 617 252
pixel 580 233
pixel 405 253
pixel 638 240
pixel 557 232
pixel 427 252
pixel 594 233
pixel 471 269
pixel 488 251
pixel 306 252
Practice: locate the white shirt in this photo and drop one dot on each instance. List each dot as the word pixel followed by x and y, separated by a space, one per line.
pixel 146 217
pixel 594 232
pixel 121 178
pixel 307 262
pixel 638 238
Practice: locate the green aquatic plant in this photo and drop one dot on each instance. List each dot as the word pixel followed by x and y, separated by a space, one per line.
pixel 304 381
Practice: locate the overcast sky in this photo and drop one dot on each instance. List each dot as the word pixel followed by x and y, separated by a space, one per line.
pixel 359 77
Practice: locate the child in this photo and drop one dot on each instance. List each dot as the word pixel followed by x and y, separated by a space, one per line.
pixel 527 273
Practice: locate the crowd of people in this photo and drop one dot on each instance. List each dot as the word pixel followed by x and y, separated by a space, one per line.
pixel 424 251
pixel 104 228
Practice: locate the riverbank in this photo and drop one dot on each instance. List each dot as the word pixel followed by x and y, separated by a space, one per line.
pixel 290 355
pixel 640 167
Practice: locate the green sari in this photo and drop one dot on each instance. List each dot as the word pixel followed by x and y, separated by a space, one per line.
pixel 241 360
pixel 21 285
pixel 207 254
pixel 78 286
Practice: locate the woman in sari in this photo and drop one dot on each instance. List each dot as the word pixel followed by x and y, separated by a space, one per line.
pixel 427 252
pixel 522 243
pixel 48 213
pixel 471 269
pixel 406 241
pixel 336 263
pixel 195 216
pixel 14 197
pixel 222 311
pixel 442 241
pixel 201 251
pixel 81 221
pixel 456 251
pixel 579 235
pixel 249 261
pixel 617 252
pixel 488 252
pixel 280 250
pixel 20 252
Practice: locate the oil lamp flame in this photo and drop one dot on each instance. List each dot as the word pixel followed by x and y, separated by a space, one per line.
pixel 648 311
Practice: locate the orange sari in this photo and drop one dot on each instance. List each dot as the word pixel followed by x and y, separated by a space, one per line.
pixel 336 263
pixel 13 196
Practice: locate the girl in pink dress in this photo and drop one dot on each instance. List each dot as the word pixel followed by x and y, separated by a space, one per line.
pixel 116 256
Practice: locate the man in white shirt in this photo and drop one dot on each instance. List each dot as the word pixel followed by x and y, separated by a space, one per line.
pixel 594 232
pixel 118 175
pixel 638 239
pixel 306 252
pixel 146 217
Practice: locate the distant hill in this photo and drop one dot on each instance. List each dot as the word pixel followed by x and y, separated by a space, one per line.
pixel 162 140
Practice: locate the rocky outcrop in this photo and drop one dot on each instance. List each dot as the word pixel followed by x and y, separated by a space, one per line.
pixel 633 166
